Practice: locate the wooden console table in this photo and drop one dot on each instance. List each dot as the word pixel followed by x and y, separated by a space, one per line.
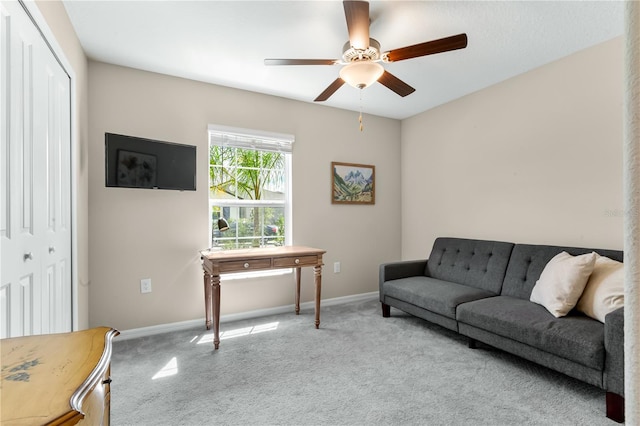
pixel 221 261
pixel 57 379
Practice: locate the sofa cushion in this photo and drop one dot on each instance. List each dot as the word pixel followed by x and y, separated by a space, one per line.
pixel 476 263
pixel 441 297
pixel 527 262
pixel 604 291
pixel 562 282
pixel 575 337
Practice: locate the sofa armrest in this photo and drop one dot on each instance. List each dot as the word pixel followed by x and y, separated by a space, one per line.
pixel 614 352
pixel 404 269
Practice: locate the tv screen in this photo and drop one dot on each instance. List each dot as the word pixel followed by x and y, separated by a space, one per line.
pixel 132 162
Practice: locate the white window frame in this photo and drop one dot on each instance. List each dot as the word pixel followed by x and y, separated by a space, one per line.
pixel 256 140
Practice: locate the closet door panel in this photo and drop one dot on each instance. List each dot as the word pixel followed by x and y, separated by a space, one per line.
pixel 20 270
pixel 53 230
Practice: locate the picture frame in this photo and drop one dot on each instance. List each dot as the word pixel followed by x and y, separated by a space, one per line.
pixel 352 183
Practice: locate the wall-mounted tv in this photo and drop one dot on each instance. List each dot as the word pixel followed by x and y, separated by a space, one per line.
pixel 132 162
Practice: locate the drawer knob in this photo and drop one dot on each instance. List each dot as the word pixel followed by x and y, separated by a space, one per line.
pixel 297 261
pixel 246 265
pixel 27 256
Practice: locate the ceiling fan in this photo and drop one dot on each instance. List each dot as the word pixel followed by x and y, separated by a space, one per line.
pixel 361 55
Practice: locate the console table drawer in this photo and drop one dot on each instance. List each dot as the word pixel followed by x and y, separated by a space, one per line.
pixel 245 265
pixel 293 261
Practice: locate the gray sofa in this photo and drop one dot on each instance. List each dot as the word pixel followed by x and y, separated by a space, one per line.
pixel 481 290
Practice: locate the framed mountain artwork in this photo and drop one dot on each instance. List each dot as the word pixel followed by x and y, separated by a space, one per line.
pixel 352 183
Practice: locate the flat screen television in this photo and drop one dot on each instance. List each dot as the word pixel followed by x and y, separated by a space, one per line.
pixel 132 162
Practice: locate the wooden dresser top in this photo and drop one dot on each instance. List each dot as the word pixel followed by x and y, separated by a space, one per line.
pixel 40 374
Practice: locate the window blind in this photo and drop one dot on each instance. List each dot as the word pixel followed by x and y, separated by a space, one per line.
pixel 250 139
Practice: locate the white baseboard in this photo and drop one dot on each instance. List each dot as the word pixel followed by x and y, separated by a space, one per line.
pixel 183 325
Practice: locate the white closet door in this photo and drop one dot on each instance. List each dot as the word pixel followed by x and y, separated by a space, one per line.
pixel 35 214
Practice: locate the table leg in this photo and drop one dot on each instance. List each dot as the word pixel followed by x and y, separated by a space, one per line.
pixel 298 291
pixel 207 300
pixel 317 272
pixel 215 287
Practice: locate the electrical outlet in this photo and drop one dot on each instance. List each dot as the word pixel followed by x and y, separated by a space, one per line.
pixel 336 267
pixel 145 285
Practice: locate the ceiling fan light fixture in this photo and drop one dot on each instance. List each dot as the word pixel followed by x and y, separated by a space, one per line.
pixel 361 74
pixel 360 60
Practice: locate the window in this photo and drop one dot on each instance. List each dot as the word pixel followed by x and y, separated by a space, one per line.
pixel 249 188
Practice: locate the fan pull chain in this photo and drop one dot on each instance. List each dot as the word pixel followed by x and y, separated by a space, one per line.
pixel 360 117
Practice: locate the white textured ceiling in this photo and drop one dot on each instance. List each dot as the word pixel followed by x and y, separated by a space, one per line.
pixel 225 43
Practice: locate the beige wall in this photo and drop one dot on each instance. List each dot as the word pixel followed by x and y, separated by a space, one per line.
pixel 58 22
pixel 534 159
pixel 137 233
pixel 537 159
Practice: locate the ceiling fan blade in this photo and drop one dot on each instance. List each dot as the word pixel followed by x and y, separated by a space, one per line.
pixel 300 61
pixel 394 83
pixel 427 48
pixel 357 14
pixel 330 90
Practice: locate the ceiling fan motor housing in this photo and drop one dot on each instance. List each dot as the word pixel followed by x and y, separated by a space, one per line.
pixel 371 53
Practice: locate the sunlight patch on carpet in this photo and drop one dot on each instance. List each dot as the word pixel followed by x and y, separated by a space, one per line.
pixel 238 332
pixel 171 369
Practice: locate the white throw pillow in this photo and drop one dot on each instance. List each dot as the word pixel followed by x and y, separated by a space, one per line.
pixel 562 282
pixel 605 289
